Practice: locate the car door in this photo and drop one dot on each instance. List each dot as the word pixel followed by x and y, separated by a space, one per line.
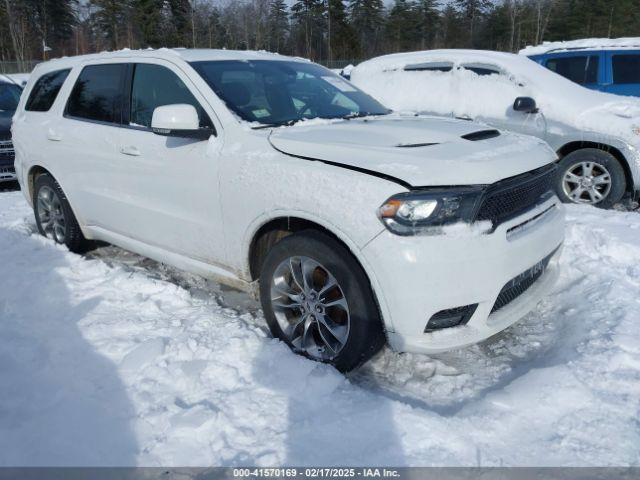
pixel 624 74
pixel 168 186
pixel 84 141
pixel 479 80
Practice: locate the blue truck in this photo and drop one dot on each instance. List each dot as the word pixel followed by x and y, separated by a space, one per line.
pixel 611 66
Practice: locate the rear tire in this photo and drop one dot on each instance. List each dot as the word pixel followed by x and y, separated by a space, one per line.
pixel 591 176
pixel 54 217
pixel 317 299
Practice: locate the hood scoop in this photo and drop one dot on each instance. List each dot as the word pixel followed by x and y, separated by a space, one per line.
pixel 415 145
pixel 481 135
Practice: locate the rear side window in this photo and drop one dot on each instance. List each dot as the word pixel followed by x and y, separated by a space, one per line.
pixel 481 70
pixel 45 91
pixel 155 86
pixel 582 69
pixel 626 69
pixel 97 94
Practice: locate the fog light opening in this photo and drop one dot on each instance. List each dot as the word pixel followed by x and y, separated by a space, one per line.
pixel 451 317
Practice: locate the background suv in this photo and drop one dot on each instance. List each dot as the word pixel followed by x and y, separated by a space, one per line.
pixel 600 64
pixel 273 174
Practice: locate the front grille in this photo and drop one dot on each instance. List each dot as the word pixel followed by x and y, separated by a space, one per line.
pixel 511 197
pixel 520 284
pixel 6 148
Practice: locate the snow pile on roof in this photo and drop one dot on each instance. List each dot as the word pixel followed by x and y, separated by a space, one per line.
pixel 115 360
pixel 464 93
pixel 583 44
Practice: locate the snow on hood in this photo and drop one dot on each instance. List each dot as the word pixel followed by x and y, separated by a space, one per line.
pixel 465 93
pixel 582 44
pixel 421 151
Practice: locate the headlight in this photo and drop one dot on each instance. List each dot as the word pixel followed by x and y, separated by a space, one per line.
pixel 425 211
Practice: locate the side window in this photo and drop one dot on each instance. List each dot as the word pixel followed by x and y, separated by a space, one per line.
pixel 430 67
pixel 97 94
pixel 581 69
pixel 626 69
pixel 482 70
pixel 155 86
pixel 45 91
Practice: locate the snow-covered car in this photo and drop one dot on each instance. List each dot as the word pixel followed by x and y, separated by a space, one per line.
pixel 275 175
pixel 596 135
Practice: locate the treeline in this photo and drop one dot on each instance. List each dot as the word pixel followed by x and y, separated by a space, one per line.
pixel 329 31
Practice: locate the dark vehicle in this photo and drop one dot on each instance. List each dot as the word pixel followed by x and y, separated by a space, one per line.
pixel 9 98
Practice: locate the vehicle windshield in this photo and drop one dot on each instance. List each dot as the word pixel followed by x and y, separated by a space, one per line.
pixel 9 97
pixel 280 92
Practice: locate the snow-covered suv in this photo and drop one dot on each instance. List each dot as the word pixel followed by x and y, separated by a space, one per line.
pixel 275 175
pixel 596 135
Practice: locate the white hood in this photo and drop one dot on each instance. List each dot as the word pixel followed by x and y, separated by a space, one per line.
pixel 420 151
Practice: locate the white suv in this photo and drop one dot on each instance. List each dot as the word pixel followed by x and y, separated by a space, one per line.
pixel 359 226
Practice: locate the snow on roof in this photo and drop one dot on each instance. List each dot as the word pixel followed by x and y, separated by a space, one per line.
pixel 583 44
pixel 186 54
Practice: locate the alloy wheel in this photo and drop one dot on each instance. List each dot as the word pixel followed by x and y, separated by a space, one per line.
pixel 51 214
pixel 310 307
pixel 587 182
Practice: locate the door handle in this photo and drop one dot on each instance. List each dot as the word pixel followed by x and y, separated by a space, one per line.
pixel 53 136
pixel 130 150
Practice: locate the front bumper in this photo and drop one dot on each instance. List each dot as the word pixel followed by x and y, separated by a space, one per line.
pixel 416 277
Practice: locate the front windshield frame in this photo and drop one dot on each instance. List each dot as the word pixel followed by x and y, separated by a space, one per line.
pixel 272 92
pixel 17 92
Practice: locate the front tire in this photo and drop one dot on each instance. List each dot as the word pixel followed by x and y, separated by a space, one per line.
pixel 317 299
pixel 54 217
pixel 591 176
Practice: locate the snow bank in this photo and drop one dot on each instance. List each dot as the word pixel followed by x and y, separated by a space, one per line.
pixel 491 97
pixel 112 359
pixel 583 44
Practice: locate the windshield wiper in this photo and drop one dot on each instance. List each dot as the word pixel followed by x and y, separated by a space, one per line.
pixel 288 123
pixel 363 114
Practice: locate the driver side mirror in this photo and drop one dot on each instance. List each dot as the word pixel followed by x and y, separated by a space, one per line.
pixel 179 120
pixel 525 105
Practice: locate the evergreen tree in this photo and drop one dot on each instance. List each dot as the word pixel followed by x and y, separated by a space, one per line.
pixel 341 38
pixel 53 19
pixel 367 19
pixel 148 15
pixel 308 19
pixel 428 16
pixel 109 19
pixel 402 25
pixel 182 23
pixel 278 21
pixel 473 11
pixel 453 32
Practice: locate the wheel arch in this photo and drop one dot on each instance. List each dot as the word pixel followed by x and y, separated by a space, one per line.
pixel 617 154
pixel 274 229
pixel 271 230
pixel 34 172
pixel 32 175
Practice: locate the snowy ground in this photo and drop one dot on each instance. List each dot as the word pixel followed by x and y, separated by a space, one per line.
pixel 111 359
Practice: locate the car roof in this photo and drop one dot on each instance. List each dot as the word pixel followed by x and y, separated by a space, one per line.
pixel 401 60
pixel 185 54
pixel 585 44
